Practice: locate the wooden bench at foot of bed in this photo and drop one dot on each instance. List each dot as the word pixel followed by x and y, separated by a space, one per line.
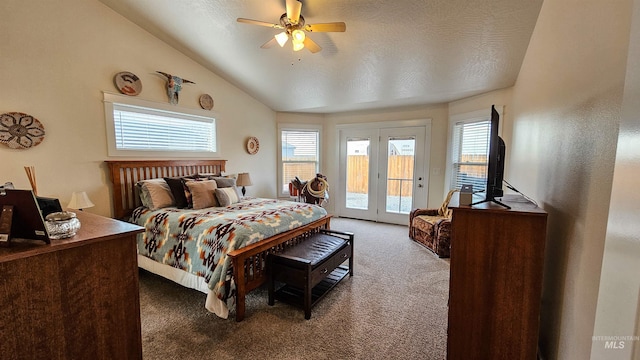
pixel 310 269
pixel 249 263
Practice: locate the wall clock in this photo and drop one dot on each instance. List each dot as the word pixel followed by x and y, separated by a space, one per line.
pixel 253 145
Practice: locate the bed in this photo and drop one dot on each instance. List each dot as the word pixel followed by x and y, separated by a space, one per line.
pixel 240 265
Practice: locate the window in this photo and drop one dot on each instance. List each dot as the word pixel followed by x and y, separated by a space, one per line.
pixel 143 128
pixel 467 158
pixel 470 152
pixel 299 155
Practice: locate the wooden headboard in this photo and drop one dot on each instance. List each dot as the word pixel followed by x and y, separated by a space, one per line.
pixel 125 175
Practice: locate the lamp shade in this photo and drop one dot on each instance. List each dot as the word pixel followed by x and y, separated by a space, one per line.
pixel 297 46
pixel 282 38
pixel 298 36
pixel 80 200
pixel 243 179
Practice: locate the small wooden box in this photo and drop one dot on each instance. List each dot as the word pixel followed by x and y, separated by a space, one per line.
pixel 466 195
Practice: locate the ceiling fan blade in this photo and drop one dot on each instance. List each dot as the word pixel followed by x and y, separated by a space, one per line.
pixel 294 7
pixel 326 27
pixel 269 43
pixel 261 23
pixel 311 45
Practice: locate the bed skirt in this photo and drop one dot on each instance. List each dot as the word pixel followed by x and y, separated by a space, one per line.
pixel 213 304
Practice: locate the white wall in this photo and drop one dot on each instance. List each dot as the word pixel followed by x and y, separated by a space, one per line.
pixel 618 309
pixel 566 110
pixel 58 57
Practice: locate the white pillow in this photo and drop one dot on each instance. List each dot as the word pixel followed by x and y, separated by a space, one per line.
pixel 227 196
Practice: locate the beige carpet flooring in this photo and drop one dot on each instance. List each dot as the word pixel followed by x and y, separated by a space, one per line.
pixel 394 307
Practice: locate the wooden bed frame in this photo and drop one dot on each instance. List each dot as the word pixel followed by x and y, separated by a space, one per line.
pixel 249 263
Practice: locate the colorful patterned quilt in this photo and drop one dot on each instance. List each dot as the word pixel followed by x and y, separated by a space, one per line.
pixel 198 241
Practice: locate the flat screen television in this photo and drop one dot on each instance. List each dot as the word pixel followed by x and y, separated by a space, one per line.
pixel 495 168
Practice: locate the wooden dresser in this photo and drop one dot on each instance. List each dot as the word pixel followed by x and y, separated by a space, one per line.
pixel 77 298
pixel 497 258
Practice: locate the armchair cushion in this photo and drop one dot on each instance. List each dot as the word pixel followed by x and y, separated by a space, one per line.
pixel 429 223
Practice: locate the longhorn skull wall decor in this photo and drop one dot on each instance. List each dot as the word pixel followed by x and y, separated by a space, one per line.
pixel 174 85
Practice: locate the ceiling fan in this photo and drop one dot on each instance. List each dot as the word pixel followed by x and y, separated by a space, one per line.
pixel 293 25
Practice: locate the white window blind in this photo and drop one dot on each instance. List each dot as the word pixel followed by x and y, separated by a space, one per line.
pixel 470 154
pixel 145 129
pixel 300 155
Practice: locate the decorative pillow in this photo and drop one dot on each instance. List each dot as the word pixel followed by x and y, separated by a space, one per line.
pixel 227 196
pixel 177 190
pixel 225 182
pixel 155 194
pixel 202 193
pixel 187 191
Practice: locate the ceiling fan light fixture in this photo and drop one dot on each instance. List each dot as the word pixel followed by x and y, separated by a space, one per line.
pixel 298 35
pixel 282 38
pixel 295 27
pixel 297 46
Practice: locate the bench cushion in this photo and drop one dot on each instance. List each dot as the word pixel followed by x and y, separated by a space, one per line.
pixel 316 249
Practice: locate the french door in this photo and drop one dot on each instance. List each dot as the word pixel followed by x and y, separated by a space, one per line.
pixel 382 172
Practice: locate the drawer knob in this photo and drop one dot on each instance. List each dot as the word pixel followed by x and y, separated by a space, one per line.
pixel 344 256
pixel 324 271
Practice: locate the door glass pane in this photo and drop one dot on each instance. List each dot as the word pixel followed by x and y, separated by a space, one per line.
pixel 357 174
pixel 400 165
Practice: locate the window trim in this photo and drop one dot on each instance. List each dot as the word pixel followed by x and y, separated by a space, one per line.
pixel 470 117
pixel 109 99
pixel 295 127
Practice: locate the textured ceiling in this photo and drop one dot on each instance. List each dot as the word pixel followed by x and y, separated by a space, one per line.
pixel 393 53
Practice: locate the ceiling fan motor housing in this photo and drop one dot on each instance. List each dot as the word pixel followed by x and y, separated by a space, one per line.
pixel 290 27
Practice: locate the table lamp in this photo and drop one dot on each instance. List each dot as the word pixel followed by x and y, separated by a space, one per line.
pixel 80 200
pixel 243 180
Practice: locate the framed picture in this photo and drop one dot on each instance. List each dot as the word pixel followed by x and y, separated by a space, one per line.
pixel 26 221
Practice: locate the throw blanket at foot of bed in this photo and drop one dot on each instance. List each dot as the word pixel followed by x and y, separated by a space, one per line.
pixel 199 241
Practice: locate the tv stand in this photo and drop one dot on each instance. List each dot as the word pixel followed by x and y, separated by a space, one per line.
pixel 495 287
pixel 493 201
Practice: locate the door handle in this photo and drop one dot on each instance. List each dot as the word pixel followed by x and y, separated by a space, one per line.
pixel 419 185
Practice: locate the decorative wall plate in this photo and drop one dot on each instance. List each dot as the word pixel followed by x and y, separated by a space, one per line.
pixel 20 131
pixel 206 101
pixel 253 145
pixel 128 83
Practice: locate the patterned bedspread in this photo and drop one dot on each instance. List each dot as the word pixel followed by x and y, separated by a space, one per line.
pixel 198 241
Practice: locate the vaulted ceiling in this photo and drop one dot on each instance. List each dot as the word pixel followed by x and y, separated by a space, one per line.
pixel 393 53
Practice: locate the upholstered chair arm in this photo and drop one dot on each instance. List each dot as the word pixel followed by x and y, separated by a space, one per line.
pixel 418 212
pixel 445 223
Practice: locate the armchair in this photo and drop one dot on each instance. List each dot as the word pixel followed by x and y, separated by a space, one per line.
pixel 432 227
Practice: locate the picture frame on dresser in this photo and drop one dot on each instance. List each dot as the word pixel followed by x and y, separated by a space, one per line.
pixel 26 219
